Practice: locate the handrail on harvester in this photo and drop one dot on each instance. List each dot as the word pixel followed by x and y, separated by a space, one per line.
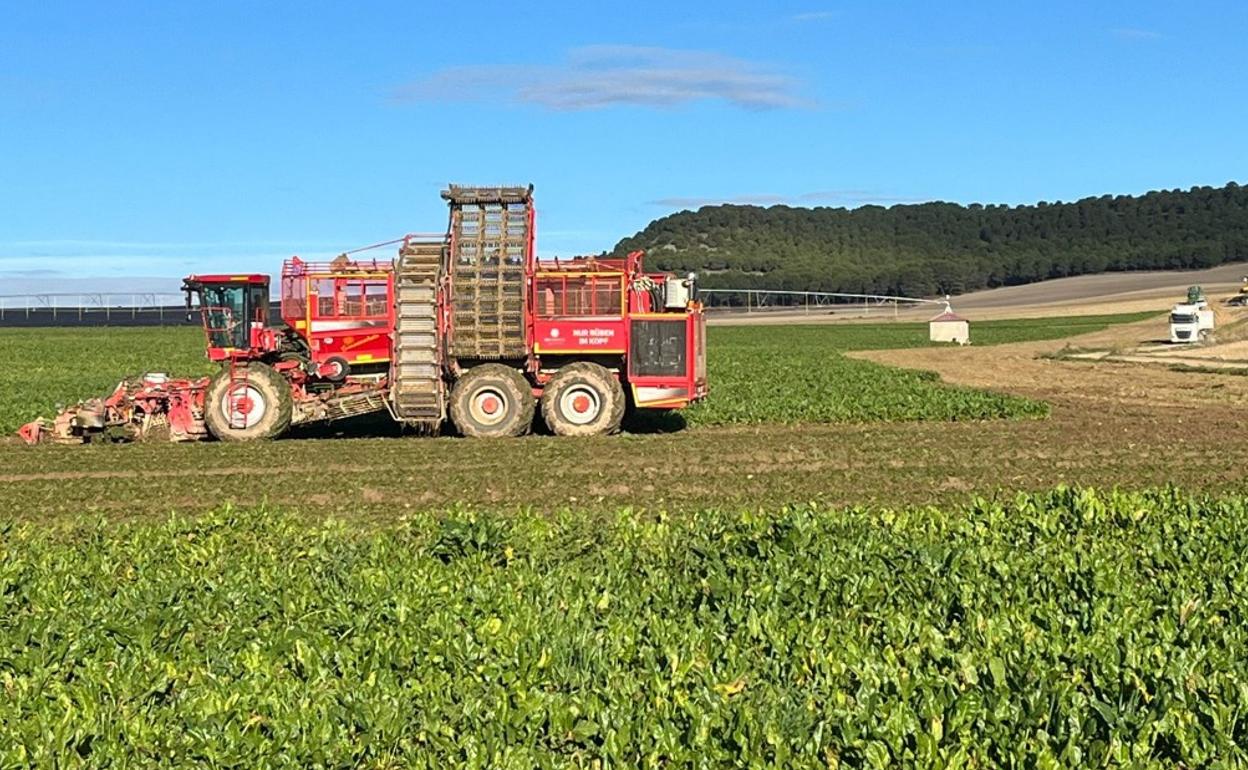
pixel 295 266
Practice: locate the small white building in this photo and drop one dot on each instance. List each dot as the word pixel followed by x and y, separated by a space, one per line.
pixel 949 327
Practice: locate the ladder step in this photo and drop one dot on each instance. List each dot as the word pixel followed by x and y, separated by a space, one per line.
pixel 416 357
pixel 417 389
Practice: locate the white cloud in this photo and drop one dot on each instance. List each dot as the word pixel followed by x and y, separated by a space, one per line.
pixel 598 76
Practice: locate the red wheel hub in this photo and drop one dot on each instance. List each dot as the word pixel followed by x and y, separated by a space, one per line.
pixel 243 404
pixel 490 405
pixel 581 404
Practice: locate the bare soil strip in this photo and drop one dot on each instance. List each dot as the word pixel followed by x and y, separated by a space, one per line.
pixel 1107 440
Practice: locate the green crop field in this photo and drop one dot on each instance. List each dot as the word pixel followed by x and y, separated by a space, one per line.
pixel 843 566
pixel 758 374
pixel 1067 629
pixel 798 374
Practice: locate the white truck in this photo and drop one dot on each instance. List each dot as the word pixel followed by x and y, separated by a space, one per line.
pixel 1191 321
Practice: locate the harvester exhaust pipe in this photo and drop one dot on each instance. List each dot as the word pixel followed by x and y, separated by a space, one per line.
pixel 190 314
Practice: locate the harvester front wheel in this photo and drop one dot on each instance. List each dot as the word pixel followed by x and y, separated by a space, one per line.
pixel 492 401
pixel 583 399
pixel 250 403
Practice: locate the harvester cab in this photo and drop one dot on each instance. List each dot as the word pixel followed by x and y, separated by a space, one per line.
pixel 234 310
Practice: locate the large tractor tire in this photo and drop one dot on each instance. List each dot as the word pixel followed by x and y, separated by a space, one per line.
pixel 583 399
pixel 255 404
pixel 492 401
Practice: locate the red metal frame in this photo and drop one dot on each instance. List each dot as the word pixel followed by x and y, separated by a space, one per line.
pixel 672 392
pixel 229 278
pixel 599 334
pixel 137 406
pixel 343 309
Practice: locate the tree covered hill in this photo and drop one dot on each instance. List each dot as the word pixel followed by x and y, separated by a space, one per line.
pixel 947 248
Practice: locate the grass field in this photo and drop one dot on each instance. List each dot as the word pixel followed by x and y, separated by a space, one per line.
pixel 1068 629
pixel 790 374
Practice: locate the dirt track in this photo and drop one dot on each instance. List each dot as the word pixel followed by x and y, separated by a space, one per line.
pixel 1023 368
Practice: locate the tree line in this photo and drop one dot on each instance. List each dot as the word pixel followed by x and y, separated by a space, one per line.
pixel 946 248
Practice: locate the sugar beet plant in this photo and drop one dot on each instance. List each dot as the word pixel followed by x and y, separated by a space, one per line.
pixel 799 375
pixel 1068 629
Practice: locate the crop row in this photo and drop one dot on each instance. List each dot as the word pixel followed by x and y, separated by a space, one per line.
pixel 1071 628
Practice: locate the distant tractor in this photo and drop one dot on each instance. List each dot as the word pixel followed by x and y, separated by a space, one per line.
pixel 1192 320
pixel 1240 299
pixel 468 326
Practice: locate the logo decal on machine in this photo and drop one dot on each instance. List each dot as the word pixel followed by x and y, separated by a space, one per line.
pixel 593 337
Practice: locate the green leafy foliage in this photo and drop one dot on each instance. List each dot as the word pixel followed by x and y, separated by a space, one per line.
pixel 945 248
pixel 1073 628
pixel 797 374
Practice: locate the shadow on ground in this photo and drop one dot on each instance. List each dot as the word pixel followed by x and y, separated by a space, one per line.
pixel 380 425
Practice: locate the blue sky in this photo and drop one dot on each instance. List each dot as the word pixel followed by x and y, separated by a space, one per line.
pixel 156 139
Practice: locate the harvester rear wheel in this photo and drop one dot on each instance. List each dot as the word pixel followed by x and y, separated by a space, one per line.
pixel 253 404
pixel 583 399
pixel 492 401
